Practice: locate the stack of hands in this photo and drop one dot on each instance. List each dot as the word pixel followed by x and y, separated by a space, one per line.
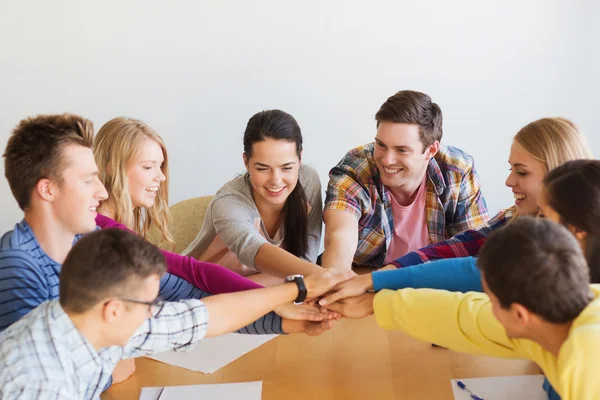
pixel 332 294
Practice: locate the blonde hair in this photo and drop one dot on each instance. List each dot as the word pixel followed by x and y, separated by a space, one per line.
pixel 116 145
pixel 552 141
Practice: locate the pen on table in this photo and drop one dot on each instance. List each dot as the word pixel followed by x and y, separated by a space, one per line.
pixel 466 389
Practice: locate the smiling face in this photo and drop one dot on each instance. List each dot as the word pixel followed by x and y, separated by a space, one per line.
pixel 273 168
pixel 525 179
pixel 145 175
pixel 399 155
pixel 79 191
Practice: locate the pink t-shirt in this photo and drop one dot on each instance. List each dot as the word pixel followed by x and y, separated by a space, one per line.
pixel 410 226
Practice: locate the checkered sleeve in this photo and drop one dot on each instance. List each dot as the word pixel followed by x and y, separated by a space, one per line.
pixel 178 327
pixel 471 209
pixel 462 245
pixel 38 390
pixel 345 190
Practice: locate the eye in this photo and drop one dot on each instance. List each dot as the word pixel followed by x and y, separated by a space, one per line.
pixel 261 169
pixel 522 173
pixel 380 145
pixel 287 168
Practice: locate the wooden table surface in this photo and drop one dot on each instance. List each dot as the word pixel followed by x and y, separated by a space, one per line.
pixel 354 360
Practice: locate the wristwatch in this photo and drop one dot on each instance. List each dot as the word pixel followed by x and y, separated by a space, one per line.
pixel 299 279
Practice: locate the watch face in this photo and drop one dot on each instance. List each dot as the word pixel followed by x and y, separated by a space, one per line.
pixel 292 278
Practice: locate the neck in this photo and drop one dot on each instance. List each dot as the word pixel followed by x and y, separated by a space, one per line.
pixel 552 336
pixel 53 237
pixel 86 325
pixel 406 194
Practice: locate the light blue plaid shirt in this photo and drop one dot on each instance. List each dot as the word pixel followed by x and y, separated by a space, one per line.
pixel 44 357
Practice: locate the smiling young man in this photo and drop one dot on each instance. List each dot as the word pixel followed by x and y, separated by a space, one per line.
pixel 108 310
pixel 538 305
pixel 401 193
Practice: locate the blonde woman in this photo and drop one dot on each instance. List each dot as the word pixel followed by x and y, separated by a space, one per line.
pixel 133 163
pixel 537 148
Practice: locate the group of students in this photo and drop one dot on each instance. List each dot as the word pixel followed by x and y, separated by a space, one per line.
pixel 77 298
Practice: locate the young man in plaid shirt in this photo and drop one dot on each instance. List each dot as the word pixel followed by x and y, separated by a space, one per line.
pixel 402 192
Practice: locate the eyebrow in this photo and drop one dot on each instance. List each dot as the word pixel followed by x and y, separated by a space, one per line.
pixel 268 166
pixel 395 147
pixel 518 165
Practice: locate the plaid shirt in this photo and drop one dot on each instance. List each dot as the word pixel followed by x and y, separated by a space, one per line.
pixel 45 357
pixel 465 244
pixel 454 201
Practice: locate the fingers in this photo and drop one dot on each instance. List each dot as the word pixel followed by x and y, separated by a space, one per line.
pixel 332 298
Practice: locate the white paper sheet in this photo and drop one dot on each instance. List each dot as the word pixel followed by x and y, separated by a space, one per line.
pixel 221 391
pixel 214 353
pixel 523 387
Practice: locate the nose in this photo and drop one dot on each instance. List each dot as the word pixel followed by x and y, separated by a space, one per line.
pixel 275 177
pixel 389 158
pixel 511 180
pixel 160 177
pixel 101 193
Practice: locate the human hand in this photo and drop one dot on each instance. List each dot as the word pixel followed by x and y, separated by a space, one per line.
pixel 354 307
pixel 308 311
pixel 123 370
pixel 350 288
pixel 321 283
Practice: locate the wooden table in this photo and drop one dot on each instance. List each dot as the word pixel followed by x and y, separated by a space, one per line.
pixel 354 360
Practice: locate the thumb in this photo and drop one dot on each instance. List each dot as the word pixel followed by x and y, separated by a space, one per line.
pixel 332 298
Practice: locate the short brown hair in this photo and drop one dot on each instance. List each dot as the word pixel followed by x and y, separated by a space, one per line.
pixel 538 264
pixel 410 107
pixel 106 263
pixel 33 151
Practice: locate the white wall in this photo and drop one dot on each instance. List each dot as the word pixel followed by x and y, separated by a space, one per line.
pixel 197 70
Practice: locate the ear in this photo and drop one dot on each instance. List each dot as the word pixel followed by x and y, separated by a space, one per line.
pixel 112 309
pixel 580 234
pixel 433 149
pixel 46 189
pixel 245 160
pixel 521 315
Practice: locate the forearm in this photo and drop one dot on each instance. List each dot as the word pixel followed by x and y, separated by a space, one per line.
pixel 229 312
pixel 207 276
pixel 273 260
pixel 457 274
pixel 339 251
pixel 461 322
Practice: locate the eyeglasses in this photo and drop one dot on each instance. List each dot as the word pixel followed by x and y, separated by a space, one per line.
pixel 154 307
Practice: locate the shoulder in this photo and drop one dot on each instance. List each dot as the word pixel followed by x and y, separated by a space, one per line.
pixel 453 159
pixel 358 157
pixel 17 249
pixel 310 180
pixel 235 195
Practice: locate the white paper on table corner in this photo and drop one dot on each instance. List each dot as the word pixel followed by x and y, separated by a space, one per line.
pixel 219 391
pixel 213 353
pixel 521 387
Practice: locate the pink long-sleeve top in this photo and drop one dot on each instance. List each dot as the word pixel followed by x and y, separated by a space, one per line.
pixel 206 276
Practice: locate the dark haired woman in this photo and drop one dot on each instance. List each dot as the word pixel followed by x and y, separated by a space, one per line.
pixel 266 224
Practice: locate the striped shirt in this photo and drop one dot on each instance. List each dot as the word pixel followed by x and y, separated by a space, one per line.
pixel 454 201
pixel 45 357
pixel 28 277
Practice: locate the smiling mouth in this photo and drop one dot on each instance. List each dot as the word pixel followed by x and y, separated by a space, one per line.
pixel 391 170
pixel 152 189
pixel 519 196
pixel 275 190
